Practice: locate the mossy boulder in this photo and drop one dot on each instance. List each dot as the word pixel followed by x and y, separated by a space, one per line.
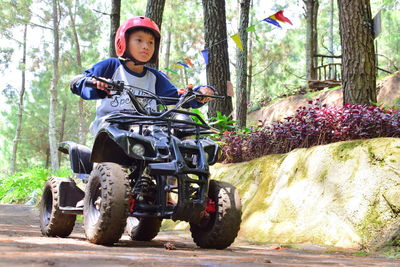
pixel 345 194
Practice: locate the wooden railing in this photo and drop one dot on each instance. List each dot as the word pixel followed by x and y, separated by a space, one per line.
pixel 328 71
pixel 327 74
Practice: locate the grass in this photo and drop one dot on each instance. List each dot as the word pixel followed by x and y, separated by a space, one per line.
pixel 26 186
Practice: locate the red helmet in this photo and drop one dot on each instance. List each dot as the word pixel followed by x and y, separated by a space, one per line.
pixel 132 23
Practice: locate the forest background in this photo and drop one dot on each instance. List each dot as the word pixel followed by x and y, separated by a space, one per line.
pixel 277 57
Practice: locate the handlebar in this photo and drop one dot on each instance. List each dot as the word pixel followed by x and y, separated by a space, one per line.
pixel 188 95
pixel 119 86
pixel 90 84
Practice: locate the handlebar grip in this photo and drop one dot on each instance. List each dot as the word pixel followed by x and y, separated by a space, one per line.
pixel 91 84
pixel 181 91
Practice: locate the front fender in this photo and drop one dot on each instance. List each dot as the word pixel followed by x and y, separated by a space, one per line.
pixel 114 145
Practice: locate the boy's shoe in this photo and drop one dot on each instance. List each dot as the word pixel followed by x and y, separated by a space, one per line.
pixel 79 204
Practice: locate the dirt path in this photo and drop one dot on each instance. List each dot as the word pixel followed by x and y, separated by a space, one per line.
pixel 21 244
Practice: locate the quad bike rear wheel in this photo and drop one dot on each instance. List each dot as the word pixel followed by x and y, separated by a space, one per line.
pixel 52 221
pixel 106 204
pixel 219 229
pixel 143 229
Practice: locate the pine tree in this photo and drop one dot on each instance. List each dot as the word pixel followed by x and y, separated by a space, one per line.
pixel 218 66
pixel 358 54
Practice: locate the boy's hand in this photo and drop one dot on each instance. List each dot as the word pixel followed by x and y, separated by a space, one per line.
pixel 206 91
pixel 101 86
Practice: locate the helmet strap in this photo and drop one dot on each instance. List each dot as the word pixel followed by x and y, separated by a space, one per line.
pixel 128 58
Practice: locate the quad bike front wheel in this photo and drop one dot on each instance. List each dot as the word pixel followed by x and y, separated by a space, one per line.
pixel 143 229
pixel 52 221
pixel 219 229
pixel 106 204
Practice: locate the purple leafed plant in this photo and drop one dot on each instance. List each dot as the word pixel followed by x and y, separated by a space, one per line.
pixel 315 124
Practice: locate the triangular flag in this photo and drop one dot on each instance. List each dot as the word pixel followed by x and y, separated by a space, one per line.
pixel 273 22
pixel 252 28
pixel 177 66
pixel 279 16
pixel 237 40
pixel 182 64
pixel 189 62
pixel 168 69
pixel 205 55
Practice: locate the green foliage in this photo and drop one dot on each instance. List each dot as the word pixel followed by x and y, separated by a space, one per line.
pixel 198 112
pixel 222 122
pixel 26 184
pixel 388 42
pixel 5 57
pixel 33 144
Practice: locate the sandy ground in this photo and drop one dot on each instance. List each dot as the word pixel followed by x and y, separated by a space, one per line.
pixel 21 244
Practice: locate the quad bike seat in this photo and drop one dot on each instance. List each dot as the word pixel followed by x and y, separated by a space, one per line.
pixel 79 156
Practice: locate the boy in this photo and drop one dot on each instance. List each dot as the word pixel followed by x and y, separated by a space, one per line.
pixel 137 42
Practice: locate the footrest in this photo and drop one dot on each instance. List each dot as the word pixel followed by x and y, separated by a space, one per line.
pixel 71 210
pixel 167 168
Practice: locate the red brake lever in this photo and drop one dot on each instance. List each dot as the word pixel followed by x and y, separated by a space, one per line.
pixel 182 91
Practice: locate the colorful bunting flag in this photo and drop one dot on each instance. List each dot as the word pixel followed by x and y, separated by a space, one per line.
pixel 237 40
pixel 168 69
pixel 205 55
pixel 273 22
pixel 252 28
pixel 177 66
pixel 182 64
pixel 279 16
pixel 273 19
pixel 189 62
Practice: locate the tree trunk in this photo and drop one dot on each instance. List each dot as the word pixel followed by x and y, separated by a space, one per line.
pixel 155 10
pixel 46 165
pixel 186 77
pixel 53 92
pixel 115 19
pixel 358 54
pixel 241 66
pixel 82 130
pixel 62 128
pixel 20 107
pixel 250 59
pixel 331 47
pixel 311 38
pixel 218 67
pixel 167 49
pixel 250 74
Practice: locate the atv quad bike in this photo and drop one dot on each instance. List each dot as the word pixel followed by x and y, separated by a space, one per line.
pixel 139 161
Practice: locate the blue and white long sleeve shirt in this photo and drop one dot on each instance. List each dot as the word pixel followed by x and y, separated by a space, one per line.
pixel 112 68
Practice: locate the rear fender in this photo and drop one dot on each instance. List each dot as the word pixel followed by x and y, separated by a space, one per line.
pixel 69 193
pixel 79 156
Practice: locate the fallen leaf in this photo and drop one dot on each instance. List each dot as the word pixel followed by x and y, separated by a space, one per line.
pixel 169 246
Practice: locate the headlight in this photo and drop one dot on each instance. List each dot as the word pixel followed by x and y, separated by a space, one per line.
pixel 138 149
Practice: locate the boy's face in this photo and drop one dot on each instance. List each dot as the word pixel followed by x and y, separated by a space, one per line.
pixel 141 45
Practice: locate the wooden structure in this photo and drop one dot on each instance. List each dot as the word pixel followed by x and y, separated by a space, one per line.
pixel 328 74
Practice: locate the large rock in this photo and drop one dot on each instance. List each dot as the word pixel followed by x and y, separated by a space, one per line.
pixel 344 194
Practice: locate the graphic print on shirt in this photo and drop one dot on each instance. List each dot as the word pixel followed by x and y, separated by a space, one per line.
pixel 119 101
